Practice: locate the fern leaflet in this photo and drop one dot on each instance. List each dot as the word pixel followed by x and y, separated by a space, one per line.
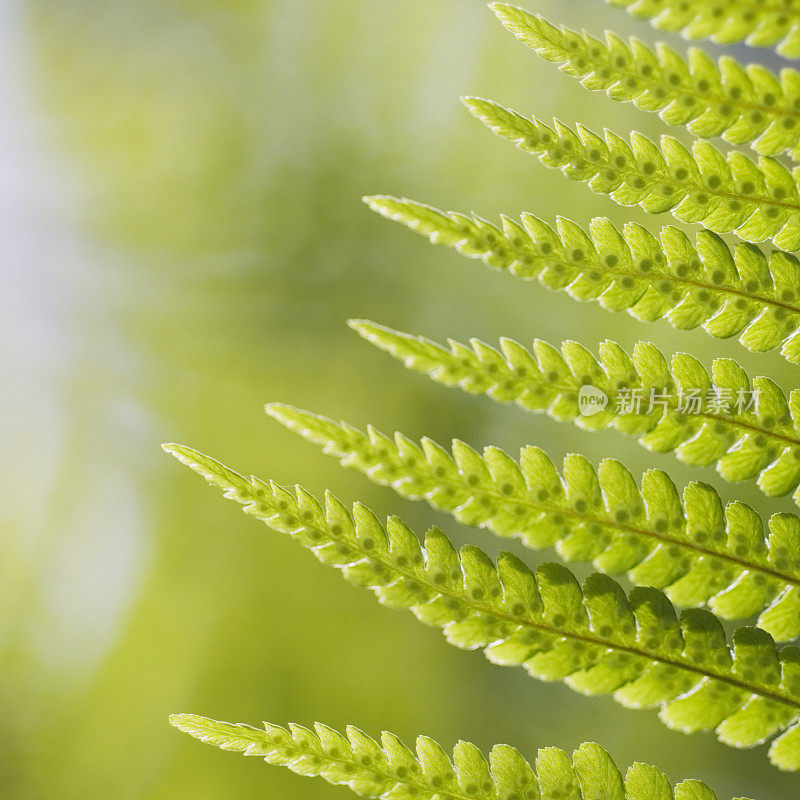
pixel 759 23
pixel 743 105
pixel 696 552
pixel 742 292
pixel 595 638
pixel 726 193
pixel 389 769
pixel 755 435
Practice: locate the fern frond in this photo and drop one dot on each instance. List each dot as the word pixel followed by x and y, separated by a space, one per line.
pixel 390 769
pixel 745 105
pixel 740 292
pixel 759 23
pixel 726 193
pixel 595 638
pixel 742 442
pixel 696 551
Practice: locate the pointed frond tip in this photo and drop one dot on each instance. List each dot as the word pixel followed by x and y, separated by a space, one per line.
pixel 739 292
pixel 745 429
pixel 241 738
pixel 216 473
pixel 755 22
pixel 726 193
pixel 692 548
pixel 595 638
pixel 388 768
pixel 745 105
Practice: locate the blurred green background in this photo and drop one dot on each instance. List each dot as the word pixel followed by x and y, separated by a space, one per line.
pixel 183 240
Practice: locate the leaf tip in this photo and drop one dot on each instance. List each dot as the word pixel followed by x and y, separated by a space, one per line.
pixel 277 410
pixel 188 723
pixel 180 451
pixel 506 13
pixel 475 105
pixel 363 327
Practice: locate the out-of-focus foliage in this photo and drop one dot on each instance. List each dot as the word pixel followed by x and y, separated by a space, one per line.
pixel 207 160
pixel 753 21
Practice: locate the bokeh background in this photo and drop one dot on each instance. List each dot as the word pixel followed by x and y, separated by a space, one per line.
pixel 181 240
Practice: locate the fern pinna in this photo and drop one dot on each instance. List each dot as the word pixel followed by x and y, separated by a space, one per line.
pixel 692 560
pixel 391 769
pixel 692 547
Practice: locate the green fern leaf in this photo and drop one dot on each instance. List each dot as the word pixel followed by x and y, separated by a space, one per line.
pixel 726 193
pixel 756 22
pixel 742 293
pixel 748 105
pixel 696 552
pixel 752 432
pixel 389 769
pixel 594 638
